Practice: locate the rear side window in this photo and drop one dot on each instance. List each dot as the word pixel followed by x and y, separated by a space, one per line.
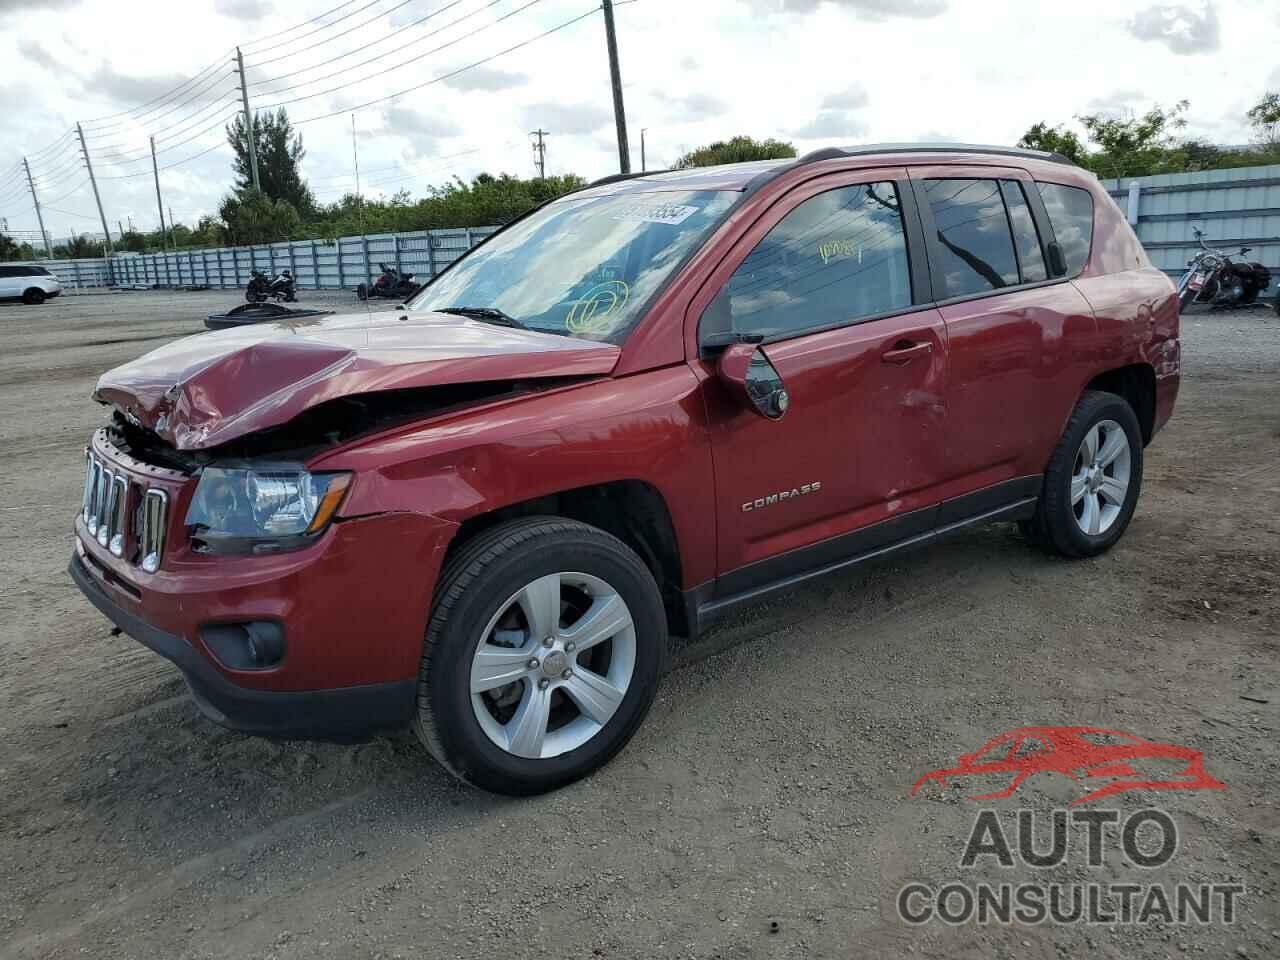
pixel 1025 238
pixel 834 259
pixel 10 271
pixel 973 236
pixel 1070 211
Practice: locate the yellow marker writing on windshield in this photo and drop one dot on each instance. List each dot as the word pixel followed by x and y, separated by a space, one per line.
pixel 591 313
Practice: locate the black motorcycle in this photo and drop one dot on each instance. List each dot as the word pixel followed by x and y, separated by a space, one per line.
pixel 260 289
pixel 1212 277
pixel 392 285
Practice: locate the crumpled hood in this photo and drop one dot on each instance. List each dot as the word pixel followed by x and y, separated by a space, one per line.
pixel 202 391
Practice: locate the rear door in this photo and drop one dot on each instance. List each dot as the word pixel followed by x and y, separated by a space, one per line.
pixel 1011 326
pixel 828 279
pixel 10 282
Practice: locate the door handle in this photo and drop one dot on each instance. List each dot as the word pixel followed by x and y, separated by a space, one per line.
pixel 904 351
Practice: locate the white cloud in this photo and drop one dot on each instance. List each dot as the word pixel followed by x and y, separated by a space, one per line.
pixel 242 9
pixel 1184 30
pixel 814 70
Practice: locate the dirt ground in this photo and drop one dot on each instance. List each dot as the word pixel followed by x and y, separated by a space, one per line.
pixel 763 808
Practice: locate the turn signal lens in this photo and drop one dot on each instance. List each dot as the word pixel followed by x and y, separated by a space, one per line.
pixel 330 501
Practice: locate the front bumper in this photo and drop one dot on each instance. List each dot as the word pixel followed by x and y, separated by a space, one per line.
pixel 343 714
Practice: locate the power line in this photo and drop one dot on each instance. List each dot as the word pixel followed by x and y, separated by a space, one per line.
pixel 155 102
pixel 58 171
pixel 68 213
pixel 336 36
pixel 204 93
pixel 396 66
pixel 51 147
pixel 332 23
pixel 413 175
pixel 297 26
pixel 432 161
pixel 178 163
pixel 373 43
pixel 170 166
pixel 454 73
pixel 79 186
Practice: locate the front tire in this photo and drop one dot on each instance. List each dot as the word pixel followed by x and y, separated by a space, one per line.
pixel 542 655
pixel 33 296
pixel 1094 478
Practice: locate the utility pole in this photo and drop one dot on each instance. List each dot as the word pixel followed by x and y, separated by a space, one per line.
pixel 173 237
pixel 36 200
pixel 120 224
pixel 155 172
pixel 94 183
pixel 643 166
pixel 540 152
pixel 619 113
pixel 248 123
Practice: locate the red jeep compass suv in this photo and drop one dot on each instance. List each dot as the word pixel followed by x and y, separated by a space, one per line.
pixel 628 412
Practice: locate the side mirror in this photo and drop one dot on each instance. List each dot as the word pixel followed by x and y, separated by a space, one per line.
pixel 752 380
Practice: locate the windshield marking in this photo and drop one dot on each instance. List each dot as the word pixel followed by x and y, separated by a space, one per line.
pixel 668 213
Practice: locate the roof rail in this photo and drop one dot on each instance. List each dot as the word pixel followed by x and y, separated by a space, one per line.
pixel 834 153
pixel 618 177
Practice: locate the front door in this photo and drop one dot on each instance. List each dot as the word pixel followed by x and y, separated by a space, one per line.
pixel 825 278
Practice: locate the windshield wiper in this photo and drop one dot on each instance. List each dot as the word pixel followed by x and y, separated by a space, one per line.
pixel 486 315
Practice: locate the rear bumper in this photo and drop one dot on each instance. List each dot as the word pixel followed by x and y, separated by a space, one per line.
pixel 344 714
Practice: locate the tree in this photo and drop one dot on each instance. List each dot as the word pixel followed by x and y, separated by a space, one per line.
pixel 280 154
pixel 254 217
pixel 80 247
pixel 1195 153
pixel 1133 146
pixel 10 249
pixel 735 150
pixel 1264 117
pixel 1041 136
pixel 133 241
pixel 487 199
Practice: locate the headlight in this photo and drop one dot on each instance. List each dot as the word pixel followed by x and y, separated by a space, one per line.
pixel 262 511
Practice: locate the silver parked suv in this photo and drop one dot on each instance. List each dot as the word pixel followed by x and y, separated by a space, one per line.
pixel 29 283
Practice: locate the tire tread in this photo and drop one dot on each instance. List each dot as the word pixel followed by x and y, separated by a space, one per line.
pixel 462 570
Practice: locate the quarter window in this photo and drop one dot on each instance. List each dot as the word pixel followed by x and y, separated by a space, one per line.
pixel 1070 211
pixel 836 258
pixel 973 236
pixel 1025 238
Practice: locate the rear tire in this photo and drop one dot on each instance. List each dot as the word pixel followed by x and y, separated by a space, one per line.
pixel 33 296
pixel 1094 478
pixel 474 726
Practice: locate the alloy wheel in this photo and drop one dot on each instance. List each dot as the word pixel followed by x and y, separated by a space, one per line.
pixel 553 665
pixel 1100 477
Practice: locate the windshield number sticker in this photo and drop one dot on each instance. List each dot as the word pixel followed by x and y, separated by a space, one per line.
pixel 668 213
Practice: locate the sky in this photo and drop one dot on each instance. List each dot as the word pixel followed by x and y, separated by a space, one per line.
pixel 440 88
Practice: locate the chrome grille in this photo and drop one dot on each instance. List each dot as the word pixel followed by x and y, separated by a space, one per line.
pixel 154 507
pixel 121 515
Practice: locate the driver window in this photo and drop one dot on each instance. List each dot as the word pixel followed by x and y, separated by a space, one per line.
pixel 836 258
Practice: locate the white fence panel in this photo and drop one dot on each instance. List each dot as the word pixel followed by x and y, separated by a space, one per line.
pixel 341 263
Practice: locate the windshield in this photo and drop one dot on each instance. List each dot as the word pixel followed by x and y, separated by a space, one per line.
pixel 582 266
